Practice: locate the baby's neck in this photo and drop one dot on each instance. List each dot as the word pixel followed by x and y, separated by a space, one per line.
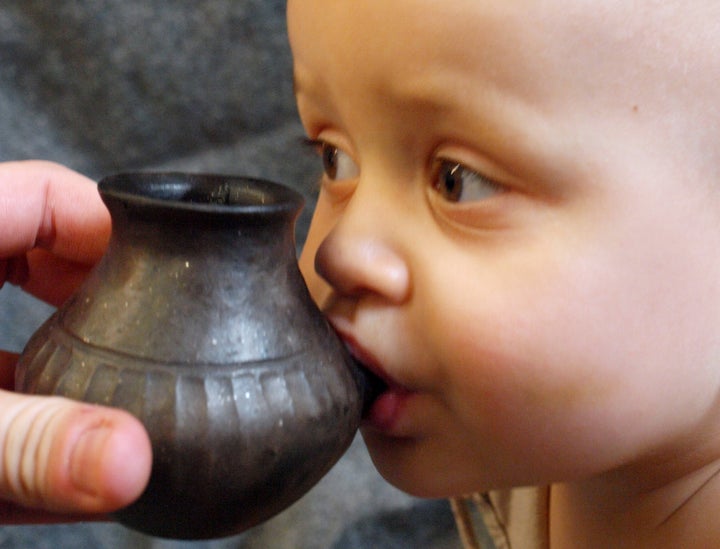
pixel 622 512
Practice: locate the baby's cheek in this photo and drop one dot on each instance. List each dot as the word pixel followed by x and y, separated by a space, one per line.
pixel 506 371
pixel 306 262
pixel 316 234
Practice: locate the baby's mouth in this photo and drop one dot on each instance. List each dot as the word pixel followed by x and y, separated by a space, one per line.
pixel 382 398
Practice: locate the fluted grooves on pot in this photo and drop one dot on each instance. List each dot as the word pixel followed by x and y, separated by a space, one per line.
pixel 60 363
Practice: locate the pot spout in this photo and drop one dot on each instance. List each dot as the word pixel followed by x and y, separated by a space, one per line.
pixel 369 384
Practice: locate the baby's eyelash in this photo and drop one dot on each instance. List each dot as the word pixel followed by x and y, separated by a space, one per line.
pixel 315 147
pixel 315 144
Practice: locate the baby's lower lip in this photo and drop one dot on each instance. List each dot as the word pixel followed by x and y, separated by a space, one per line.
pixel 386 409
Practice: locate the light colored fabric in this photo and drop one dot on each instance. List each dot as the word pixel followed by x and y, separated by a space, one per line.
pixel 504 519
pixel 518 518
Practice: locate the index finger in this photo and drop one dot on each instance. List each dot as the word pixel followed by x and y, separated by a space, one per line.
pixel 53 228
pixel 45 205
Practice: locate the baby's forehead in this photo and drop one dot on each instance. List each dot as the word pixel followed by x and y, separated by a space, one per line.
pixel 584 24
pixel 528 32
pixel 663 55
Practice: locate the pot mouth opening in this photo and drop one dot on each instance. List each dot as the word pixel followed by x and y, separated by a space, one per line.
pixel 200 192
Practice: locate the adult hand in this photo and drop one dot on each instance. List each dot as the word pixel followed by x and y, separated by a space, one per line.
pixel 58 457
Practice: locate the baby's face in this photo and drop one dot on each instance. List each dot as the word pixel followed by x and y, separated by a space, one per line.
pixel 519 228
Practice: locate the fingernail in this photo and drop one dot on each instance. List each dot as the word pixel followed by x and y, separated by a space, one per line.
pixel 84 459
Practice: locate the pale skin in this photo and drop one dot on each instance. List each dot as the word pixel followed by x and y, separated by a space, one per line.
pixel 519 229
pixel 60 460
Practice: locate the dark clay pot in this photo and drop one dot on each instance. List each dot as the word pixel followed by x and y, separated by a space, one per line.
pixel 198 322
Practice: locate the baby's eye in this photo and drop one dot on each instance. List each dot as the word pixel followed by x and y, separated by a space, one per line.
pixel 337 164
pixel 456 183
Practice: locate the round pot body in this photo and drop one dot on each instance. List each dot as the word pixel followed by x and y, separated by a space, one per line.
pixel 198 322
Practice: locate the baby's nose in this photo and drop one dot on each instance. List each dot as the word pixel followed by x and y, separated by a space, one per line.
pixel 355 263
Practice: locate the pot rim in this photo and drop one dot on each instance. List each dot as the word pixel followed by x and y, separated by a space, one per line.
pixel 200 192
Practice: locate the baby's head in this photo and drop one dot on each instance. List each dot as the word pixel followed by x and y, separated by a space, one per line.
pixel 519 227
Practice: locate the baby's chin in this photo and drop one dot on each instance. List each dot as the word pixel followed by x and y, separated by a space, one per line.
pixel 402 463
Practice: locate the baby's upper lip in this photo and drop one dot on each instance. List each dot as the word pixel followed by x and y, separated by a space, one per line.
pixel 366 359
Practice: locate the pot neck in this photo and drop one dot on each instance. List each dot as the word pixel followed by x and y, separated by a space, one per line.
pixel 171 209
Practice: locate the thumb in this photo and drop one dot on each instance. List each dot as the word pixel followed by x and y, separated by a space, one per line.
pixel 70 457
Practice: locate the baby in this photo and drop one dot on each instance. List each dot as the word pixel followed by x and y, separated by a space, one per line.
pixel 518 228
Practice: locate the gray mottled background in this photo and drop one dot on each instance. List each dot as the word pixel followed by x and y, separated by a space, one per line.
pixel 200 85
